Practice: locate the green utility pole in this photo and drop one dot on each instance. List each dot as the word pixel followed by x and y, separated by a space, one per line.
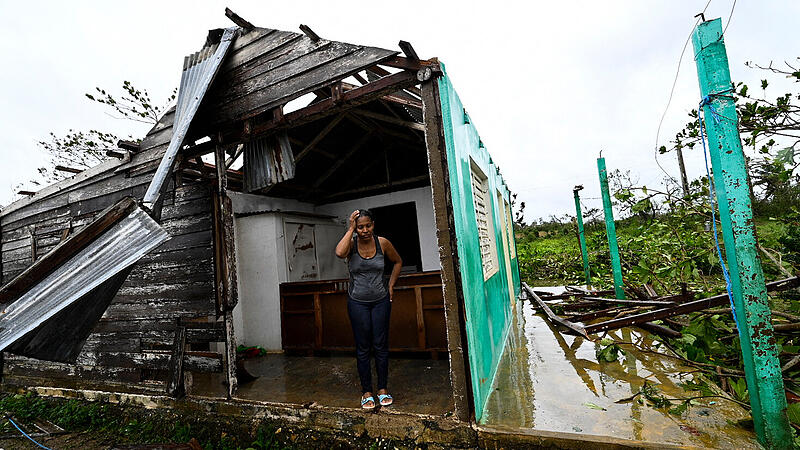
pixel 611 229
pixel 581 235
pixel 761 365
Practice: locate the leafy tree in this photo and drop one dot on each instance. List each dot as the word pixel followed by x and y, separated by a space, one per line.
pixel 771 129
pixel 85 149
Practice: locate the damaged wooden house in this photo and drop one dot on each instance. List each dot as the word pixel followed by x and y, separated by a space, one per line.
pixel 144 273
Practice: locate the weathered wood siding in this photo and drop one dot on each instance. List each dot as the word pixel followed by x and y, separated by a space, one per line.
pixel 132 341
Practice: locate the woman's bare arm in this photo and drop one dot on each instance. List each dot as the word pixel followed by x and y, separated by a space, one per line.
pixel 394 257
pixel 345 244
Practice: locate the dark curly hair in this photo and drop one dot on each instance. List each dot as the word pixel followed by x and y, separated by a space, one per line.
pixel 365 213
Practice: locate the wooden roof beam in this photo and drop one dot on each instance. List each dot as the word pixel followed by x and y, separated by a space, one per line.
pixel 397 183
pixel 324 132
pixel 399 62
pixel 115 154
pixel 199 149
pixel 128 145
pixel 391 97
pixel 238 20
pixel 406 47
pixel 68 169
pixel 368 125
pixel 310 33
pixel 389 119
pixel 317 148
pixel 361 142
pixel 349 100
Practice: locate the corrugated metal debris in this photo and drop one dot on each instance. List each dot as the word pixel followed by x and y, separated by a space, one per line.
pixel 199 70
pixel 109 254
pixel 268 161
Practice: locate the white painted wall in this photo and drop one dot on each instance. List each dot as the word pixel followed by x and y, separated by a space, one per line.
pixel 261 252
pixel 426 222
pixel 259 271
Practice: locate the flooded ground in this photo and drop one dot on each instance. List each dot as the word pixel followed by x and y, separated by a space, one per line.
pixel 553 382
pixel 419 386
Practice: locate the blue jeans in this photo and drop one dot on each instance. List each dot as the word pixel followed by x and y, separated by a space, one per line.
pixel 370 322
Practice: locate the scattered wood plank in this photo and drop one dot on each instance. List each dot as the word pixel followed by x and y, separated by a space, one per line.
pixel 696 305
pixel 631 302
pixel 579 330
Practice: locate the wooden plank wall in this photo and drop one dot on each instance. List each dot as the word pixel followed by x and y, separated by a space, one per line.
pixel 132 342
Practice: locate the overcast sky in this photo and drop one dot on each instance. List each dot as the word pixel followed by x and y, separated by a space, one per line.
pixel 548 84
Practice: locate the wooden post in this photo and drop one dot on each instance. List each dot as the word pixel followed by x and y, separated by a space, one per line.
pixel 611 229
pixel 421 338
pixel 225 266
pixel 448 254
pixel 175 385
pixel 682 167
pixel 581 235
pixel 731 182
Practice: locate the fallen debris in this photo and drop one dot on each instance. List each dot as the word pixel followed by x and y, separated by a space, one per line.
pixel 581 299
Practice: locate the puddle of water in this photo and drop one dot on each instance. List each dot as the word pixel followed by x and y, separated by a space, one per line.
pixel 553 382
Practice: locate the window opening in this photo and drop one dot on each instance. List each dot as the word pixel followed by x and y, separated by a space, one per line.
pixel 512 250
pixel 483 216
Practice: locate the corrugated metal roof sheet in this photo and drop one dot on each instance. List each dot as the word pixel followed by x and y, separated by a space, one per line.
pixel 268 161
pixel 199 70
pixel 109 255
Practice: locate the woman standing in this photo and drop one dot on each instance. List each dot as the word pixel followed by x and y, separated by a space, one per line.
pixel 369 300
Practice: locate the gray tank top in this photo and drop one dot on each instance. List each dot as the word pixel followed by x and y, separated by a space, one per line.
pixel 366 274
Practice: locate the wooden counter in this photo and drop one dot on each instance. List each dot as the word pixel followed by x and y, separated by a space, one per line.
pixel 314 315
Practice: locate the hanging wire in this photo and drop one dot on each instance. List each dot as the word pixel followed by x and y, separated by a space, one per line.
pixel 707 101
pixel 671 93
pixel 729 18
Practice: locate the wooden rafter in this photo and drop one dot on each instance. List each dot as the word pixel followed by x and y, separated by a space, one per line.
pixel 349 100
pixel 310 33
pixel 409 51
pixel 68 169
pixel 368 124
pixel 390 97
pixel 402 182
pixel 324 132
pixel 236 154
pixel 317 148
pixel 400 62
pixel 389 119
pixel 238 20
pixel 361 142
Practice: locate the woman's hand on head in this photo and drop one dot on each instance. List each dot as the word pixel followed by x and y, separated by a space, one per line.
pixel 353 218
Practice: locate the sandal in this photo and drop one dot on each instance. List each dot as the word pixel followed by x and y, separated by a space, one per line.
pixel 365 400
pixel 385 399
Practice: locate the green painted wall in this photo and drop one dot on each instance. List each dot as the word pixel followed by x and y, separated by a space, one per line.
pixel 487 303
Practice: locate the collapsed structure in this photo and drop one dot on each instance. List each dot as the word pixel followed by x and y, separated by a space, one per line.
pixel 144 273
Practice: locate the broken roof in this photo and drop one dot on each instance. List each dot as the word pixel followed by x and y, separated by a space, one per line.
pixel 239 74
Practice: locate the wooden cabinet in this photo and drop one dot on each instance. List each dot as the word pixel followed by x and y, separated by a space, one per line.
pixel 314 315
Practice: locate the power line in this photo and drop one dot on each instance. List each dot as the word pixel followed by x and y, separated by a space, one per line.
pixel 729 19
pixel 671 93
